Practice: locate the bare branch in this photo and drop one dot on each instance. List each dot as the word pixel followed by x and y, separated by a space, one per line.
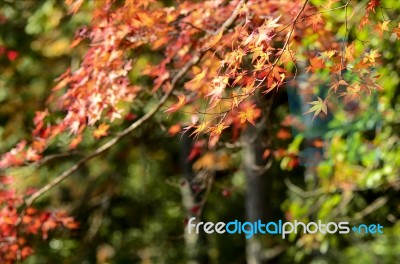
pixel 378 203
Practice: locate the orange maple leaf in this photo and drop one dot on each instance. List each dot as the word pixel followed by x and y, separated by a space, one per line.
pixel 372 4
pixel 397 31
pixel 381 27
pixel 336 83
pixel 101 131
pixel 181 102
pixel 74 5
pixel 213 40
pixel 315 63
pixel 349 52
pixel 175 129
pixel 276 73
pixel 315 21
pixel 249 114
pixel 217 130
pixel 283 134
pixel 75 142
pixel 364 21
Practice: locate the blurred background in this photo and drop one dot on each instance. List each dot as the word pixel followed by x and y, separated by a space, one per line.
pixel 133 202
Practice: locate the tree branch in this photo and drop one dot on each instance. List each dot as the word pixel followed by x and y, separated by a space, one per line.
pixel 195 59
pixel 115 139
pixel 377 204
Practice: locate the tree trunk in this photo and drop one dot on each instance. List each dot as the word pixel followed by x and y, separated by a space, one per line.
pixel 257 203
pixel 196 244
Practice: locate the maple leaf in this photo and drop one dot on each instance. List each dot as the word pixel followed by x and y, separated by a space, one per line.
pixel 317 107
pixel 315 63
pixel 101 131
pixel 315 20
pixel 381 27
pixel 196 150
pixel 260 63
pixel 397 31
pixel 352 93
pixel 75 142
pixel 160 80
pixel 181 102
pixel 39 117
pixel 283 134
pixel 249 86
pixel 217 130
pixel 330 3
pixel 266 154
pixel 271 23
pixel 237 79
pixel 328 54
pixel 349 52
pixel 63 80
pixel 217 88
pixel 277 73
pixel 271 87
pixel 336 83
pixel 212 161
pixel 32 155
pixel 200 76
pixel 249 114
pixel 215 133
pixel 39 145
pixel 364 21
pixel 74 5
pixel 318 143
pixel 213 40
pixel 286 55
pixel 199 128
pixel 175 129
pixel 235 100
pixel 372 4
pixel 371 56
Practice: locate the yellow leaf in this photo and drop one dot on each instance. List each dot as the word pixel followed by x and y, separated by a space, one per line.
pixel 200 128
pixel 213 40
pixel 381 27
pixel 200 76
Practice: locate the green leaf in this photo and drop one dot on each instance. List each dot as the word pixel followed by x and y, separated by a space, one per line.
pixel 317 107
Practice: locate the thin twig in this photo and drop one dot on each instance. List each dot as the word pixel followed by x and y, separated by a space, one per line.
pixel 285 45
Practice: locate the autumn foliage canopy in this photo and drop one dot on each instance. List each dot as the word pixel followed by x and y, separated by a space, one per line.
pixel 217 63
